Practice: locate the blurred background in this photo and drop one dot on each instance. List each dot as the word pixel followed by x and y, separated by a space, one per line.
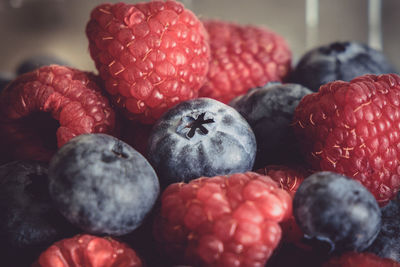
pixel 57 27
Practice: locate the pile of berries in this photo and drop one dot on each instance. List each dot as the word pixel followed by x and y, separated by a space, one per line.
pixel 196 144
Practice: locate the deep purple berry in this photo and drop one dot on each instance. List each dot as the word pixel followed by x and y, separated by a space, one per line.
pixel 339 61
pixel 335 209
pixel 37 61
pixel 269 111
pixel 102 185
pixel 28 221
pixel 200 137
pixel 387 244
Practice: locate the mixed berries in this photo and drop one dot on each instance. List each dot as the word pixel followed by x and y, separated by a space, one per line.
pixel 196 144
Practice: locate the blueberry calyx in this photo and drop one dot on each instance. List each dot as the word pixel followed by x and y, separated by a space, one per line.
pixel 192 123
pixel 118 150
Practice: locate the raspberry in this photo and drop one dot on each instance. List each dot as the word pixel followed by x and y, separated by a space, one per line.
pixel 352 128
pixel 353 259
pixel 223 220
pixel 289 179
pixel 88 251
pixel 43 109
pixel 150 55
pixel 243 57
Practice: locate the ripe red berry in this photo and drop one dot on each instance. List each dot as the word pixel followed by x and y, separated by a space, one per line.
pixel 353 128
pixel 243 57
pixel 150 55
pixel 222 221
pixel 43 109
pixel 353 259
pixel 88 251
pixel 289 179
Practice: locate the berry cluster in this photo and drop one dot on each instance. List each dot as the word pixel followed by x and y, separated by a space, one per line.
pixel 300 169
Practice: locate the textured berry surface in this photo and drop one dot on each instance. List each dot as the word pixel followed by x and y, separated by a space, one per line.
pixel 201 137
pixel 43 109
pixel 387 244
pixel 289 179
pixel 243 57
pixel 339 61
pixel 38 61
pixel 353 128
pixel 102 185
pixel 353 259
pixel 222 221
pixel 150 55
pixel 333 208
pixel 269 111
pixel 88 251
pixel 28 221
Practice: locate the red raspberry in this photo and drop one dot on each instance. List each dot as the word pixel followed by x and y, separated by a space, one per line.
pixel 243 57
pixel 150 55
pixel 222 221
pixel 289 179
pixel 88 251
pixel 353 259
pixel 49 106
pixel 353 128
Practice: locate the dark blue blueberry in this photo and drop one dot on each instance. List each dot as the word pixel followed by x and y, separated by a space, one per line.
pixel 28 221
pixel 38 61
pixel 387 244
pixel 269 111
pixel 339 61
pixel 5 78
pixel 200 137
pixel 338 210
pixel 102 185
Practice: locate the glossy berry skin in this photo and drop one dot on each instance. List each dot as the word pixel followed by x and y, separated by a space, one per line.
pixel 269 111
pixel 333 208
pixel 88 251
pixel 222 221
pixel 353 259
pixel 289 179
pixel 41 110
pixel 339 61
pixel 28 220
pixel 201 137
pixel 150 55
pixel 102 185
pixel 243 57
pixel 5 78
pixel 387 243
pixel 352 128
pixel 37 61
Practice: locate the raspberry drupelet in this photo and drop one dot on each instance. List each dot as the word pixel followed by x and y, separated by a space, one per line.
pixel 150 55
pixel 222 221
pixel 43 109
pixel 88 251
pixel 243 57
pixel 353 128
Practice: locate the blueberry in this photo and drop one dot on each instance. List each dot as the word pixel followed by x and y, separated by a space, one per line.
pixel 269 111
pixel 37 61
pixel 200 137
pixel 338 210
pixel 102 185
pixel 28 221
pixel 339 61
pixel 387 244
pixel 5 78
